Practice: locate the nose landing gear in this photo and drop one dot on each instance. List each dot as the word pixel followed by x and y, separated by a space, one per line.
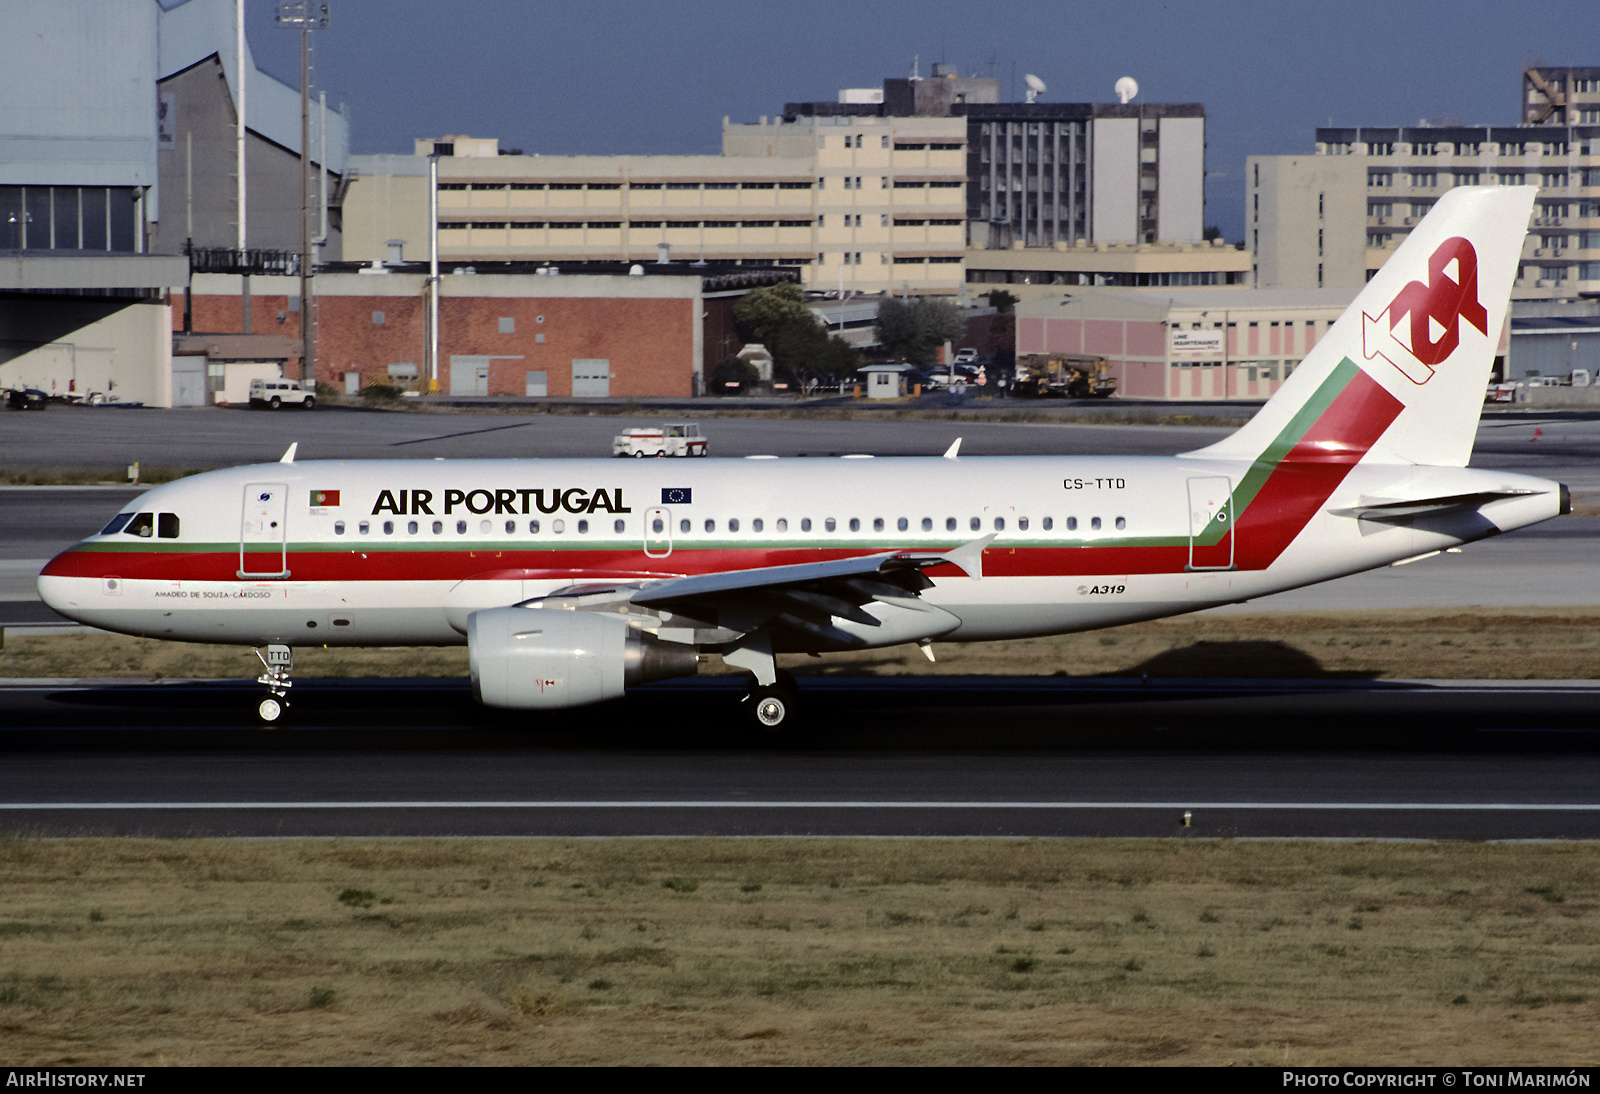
pixel 274 705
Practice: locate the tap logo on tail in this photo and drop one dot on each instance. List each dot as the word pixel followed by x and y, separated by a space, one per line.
pixel 1436 310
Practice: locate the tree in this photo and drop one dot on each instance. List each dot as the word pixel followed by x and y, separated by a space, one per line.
pixel 1001 300
pixel 914 329
pixel 765 312
pixel 777 317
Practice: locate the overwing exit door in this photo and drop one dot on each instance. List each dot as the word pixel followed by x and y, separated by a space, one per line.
pixel 1210 523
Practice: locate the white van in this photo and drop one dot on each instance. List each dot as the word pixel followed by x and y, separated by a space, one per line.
pixel 275 393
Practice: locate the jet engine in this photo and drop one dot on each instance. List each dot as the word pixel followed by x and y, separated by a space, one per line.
pixel 546 659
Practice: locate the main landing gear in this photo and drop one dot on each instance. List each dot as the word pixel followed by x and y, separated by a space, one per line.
pixel 769 708
pixel 274 705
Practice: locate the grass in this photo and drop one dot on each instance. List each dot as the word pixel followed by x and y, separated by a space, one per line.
pixel 1121 952
pixel 1525 643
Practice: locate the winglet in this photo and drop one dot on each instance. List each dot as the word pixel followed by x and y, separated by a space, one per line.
pixel 288 457
pixel 950 453
pixel 968 558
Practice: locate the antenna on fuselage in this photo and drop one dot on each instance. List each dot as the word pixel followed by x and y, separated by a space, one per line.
pixel 288 457
pixel 950 453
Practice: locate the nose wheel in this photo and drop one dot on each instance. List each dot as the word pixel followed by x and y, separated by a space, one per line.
pixel 274 705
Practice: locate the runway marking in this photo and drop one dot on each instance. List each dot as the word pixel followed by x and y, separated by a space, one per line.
pixel 1190 805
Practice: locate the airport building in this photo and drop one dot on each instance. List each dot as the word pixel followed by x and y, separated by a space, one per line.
pixel 1330 219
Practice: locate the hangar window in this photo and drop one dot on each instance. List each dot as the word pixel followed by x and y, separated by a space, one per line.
pixel 1072 524
pixel 830 524
pixel 711 526
pixel 363 527
pixel 338 527
pixel 976 524
pixel 143 525
pixel 167 525
pixel 733 524
pixel 438 527
pixel 855 525
pixel 533 527
pixel 757 525
pixel 618 526
pixel 583 527
pixel 949 524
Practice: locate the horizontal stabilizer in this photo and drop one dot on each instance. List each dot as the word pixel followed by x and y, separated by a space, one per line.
pixel 1398 511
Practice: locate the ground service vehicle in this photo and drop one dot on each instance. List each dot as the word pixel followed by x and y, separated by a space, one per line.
pixel 675 439
pixel 279 393
pixel 1064 377
pixel 570 580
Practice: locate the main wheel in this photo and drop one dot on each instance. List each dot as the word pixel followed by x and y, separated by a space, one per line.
pixel 271 709
pixel 771 709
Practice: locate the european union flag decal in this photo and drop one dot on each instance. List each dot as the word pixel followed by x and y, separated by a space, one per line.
pixel 676 495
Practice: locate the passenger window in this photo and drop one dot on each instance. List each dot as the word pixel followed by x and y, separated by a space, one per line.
pixel 167 525
pixel 1072 524
pixel 338 527
pixel 683 526
pixel 143 525
pixel 388 527
pixel 511 527
pixel 877 524
pixel 461 527
pixel 1122 523
pixel 363 527
pixel 711 526
pixel 976 524
pixel 438 527
pixel 830 524
pixel 733 524
pixel 855 525
pixel 927 524
pixel 1022 524
pixel 781 525
pixel 949 524
pixel 657 526
pixel 1094 524
pixel 558 526
pixel 485 527
pixel 805 524
pixel 1048 523
pixel 757 525
pixel 116 523
pixel 533 527
pixel 999 524
pixel 411 527
pixel 618 526
pixel 583 527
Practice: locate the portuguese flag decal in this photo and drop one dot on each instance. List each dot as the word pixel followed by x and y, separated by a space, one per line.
pixel 324 498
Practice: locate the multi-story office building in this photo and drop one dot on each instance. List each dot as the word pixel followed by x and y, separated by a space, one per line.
pixel 860 204
pixel 1333 217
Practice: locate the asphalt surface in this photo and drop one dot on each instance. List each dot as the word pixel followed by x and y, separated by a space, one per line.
pixel 977 757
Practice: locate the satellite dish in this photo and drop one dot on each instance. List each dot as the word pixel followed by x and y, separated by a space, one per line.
pixel 1035 86
pixel 1126 89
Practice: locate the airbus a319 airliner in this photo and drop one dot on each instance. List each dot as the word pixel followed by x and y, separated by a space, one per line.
pixel 570 580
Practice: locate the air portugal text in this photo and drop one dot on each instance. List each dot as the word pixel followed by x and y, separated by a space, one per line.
pixel 510 502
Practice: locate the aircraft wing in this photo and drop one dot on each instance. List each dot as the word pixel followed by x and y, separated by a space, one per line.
pixel 806 597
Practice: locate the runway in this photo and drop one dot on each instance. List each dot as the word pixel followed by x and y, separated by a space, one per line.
pixel 894 758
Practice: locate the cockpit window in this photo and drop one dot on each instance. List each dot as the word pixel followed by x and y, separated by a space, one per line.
pixel 143 525
pixel 167 526
pixel 116 524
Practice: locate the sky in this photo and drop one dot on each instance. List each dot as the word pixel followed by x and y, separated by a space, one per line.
pixel 624 76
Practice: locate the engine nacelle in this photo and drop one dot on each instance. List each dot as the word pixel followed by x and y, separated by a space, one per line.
pixel 549 658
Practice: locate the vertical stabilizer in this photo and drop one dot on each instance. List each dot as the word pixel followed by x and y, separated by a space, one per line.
pixel 1402 374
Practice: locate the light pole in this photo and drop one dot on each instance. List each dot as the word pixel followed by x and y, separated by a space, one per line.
pixel 306 15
